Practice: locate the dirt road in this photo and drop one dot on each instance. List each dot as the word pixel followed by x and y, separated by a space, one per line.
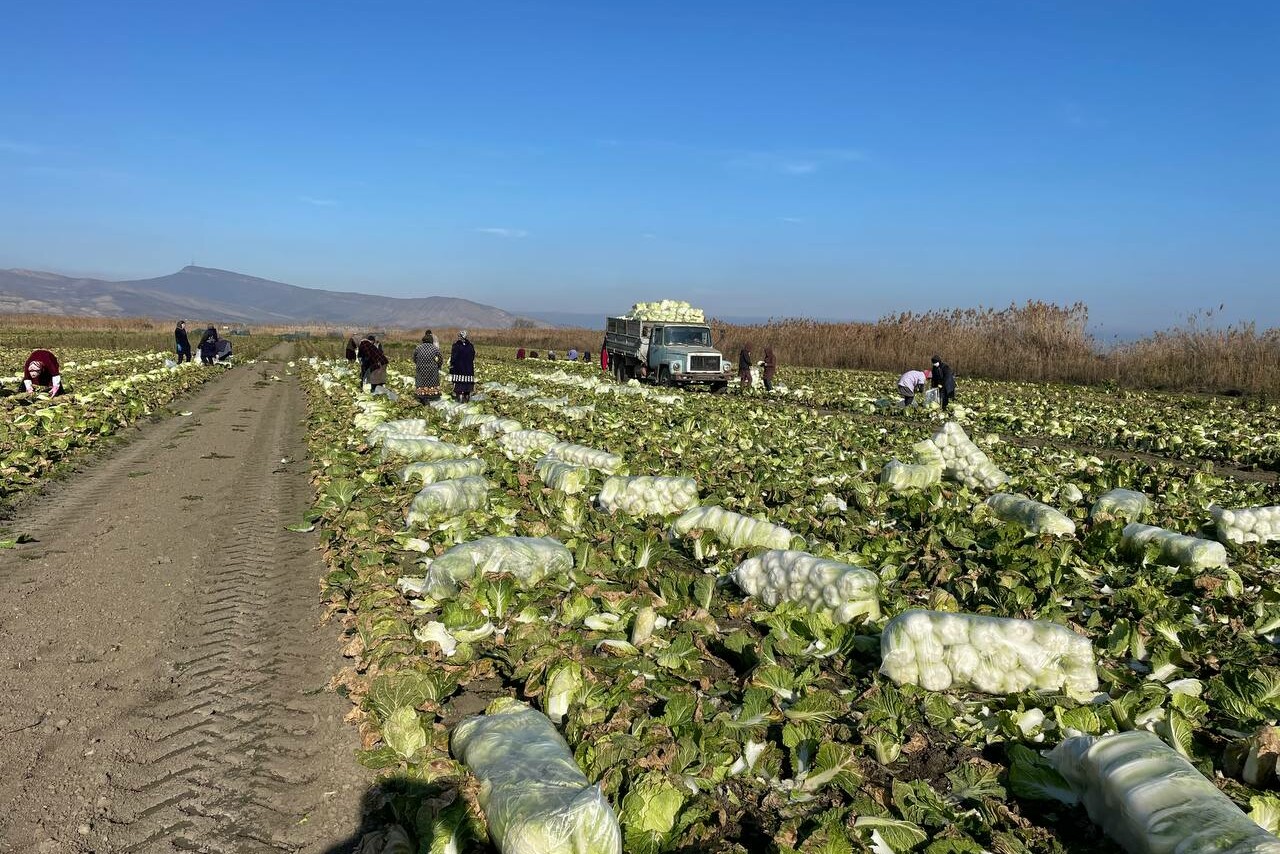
pixel 161 661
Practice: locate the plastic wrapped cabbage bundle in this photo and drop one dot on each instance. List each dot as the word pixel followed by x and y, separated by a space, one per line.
pixel 647 495
pixel 733 529
pixel 1247 524
pixel 452 409
pixel 434 471
pixel 1124 504
pixel 535 798
pixel 938 651
pixel 528 559
pixel 1175 549
pixel 476 419
pixel 1151 800
pixel 927 454
pixel 402 427
pixel 562 476
pixel 586 456
pixel 900 476
pixel 421 448
pixel 524 443
pixel 577 413
pixel 965 461
pixel 499 427
pixel 1032 515
pixel 840 589
pixel 447 498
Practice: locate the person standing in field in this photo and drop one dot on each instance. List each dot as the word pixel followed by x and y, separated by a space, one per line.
pixel 520 354
pixel 744 366
pixel 604 357
pixel 770 368
pixel 181 342
pixel 352 348
pixel 373 362
pixel 910 384
pixel 208 345
pixel 426 363
pixel 462 367
pixel 42 372
pixel 943 378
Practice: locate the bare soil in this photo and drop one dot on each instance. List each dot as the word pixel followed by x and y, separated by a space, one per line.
pixel 162 658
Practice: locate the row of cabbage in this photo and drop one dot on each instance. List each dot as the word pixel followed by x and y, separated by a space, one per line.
pixel 874 528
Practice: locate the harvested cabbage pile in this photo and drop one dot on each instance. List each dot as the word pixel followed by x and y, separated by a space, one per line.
pixel 733 529
pixel 586 456
pixel 1032 515
pixel 476 419
pixel 447 498
pixel 528 560
pixel 562 476
pixel 1248 524
pixel 402 427
pixel 648 495
pixel 901 477
pixel 1175 549
pixel 965 461
pixel 668 310
pixel 499 427
pixel 525 443
pixel 434 471
pixel 535 798
pixel 842 590
pixel 1151 800
pixel 940 651
pixel 421 448
pixel 1124 504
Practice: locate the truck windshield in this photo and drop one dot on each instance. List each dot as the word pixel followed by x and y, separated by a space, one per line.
pixel 696 335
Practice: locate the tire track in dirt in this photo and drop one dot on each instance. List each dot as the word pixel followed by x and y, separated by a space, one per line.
pixel 211 733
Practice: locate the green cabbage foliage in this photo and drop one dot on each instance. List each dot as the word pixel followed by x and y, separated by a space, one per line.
pixel 535 798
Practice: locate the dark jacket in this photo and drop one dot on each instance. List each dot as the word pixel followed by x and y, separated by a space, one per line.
pixel 943 377
pixel 351 350
pixel 181 340
pixel 744 359
pixel 462 361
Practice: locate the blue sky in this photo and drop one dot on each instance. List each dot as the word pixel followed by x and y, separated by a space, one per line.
pixel 832 160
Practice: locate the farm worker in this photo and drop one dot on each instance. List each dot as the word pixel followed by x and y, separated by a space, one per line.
pixel 533 354
pixel 42 369
pixel 551 354
pixel 181 342
pixel 208 345
pixel 604 357
pixel 744 366
pixel 770 368
pixel 520 354
pixel 573 354
pixel 426 364
pixel 586 357
pixel 351 348
pixel 942 377
pixel 373 362
pixel 910 384
pixel 222 351
pixel 462 367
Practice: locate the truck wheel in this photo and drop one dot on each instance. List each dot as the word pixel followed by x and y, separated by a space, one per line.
pixel 664 377
pixel 719 388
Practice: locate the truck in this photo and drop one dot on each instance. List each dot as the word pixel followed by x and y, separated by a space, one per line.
pixel 650 345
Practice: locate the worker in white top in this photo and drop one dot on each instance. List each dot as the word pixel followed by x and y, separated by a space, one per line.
pixel 910 384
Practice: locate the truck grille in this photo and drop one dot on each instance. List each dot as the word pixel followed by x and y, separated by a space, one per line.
pixel 704 364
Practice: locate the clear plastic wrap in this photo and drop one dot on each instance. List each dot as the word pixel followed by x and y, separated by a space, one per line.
pixel 1247 524
pixel 528 560
pixel 500 427
pixel 965 461
pixel 583 455
pixel 1125 504
pixel 648 495
pixel 1032 515
pixel 535 798
pixel 447 498
pixel 840 589
pixel 434 471
pixel 733 529
pixel 562 476
pixel 402 427
pixel 1175 549
pixel 525 443
pixel 938 651
pixel 901 477
pixel 421 448
pixel 1151 800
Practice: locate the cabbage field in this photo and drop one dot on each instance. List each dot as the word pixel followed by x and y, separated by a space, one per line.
pixel 590 617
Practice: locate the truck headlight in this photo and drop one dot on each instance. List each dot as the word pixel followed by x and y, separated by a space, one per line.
pixel 725 366
pixel 675 366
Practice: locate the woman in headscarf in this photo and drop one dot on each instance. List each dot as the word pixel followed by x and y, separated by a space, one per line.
pixel 744 367
pixel 426 364
pixel 350 352
pixel 462 368
pixel 770 368
pixel 41 371
pixel 208 345
pixel 374 362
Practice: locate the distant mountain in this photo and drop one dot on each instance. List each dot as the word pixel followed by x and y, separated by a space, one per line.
pixel 210 295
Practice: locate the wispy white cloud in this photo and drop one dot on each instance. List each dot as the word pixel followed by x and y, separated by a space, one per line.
pixel 12 147
pixel 504 232
pixel 320 203
pixel 796 163
pixel 793 220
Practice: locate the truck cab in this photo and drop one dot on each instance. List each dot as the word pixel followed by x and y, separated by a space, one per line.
pixel 665 352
